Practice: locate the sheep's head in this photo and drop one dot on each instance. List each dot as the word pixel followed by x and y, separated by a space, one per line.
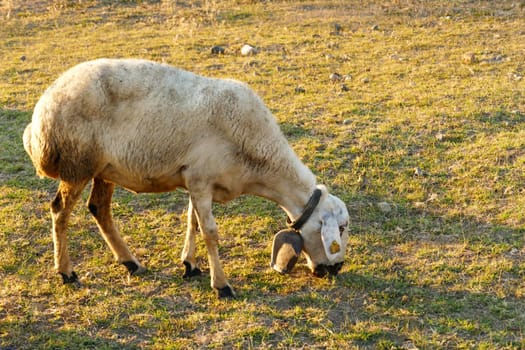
pixel 322 238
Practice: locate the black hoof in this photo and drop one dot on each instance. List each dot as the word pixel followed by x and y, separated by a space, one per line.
pixel 69 279
pixel 226 292
pixel 133 268
pixel 190 272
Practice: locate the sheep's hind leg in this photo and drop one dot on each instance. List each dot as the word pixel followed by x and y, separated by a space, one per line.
pixel 188 252
pixel 61 208
pixel 99 205
pixel 208 226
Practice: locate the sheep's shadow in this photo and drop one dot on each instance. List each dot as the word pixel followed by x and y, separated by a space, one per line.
pixel 358 301
pixel 454 306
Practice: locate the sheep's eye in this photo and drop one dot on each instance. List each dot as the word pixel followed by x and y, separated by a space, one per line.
pixel 342 229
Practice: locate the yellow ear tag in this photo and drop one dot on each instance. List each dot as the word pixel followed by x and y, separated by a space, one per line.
pixel 334 247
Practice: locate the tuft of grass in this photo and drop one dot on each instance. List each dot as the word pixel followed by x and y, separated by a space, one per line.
pixel 422 138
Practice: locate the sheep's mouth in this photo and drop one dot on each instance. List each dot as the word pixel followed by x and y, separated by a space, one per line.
pixel 332 270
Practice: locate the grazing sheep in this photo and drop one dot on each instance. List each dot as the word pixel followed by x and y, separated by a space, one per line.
pixel 149 127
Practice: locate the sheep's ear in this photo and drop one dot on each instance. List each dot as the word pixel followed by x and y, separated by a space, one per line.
pixel 330 236
pixel 287 247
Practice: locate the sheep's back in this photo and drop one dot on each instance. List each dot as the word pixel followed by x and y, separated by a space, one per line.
pixel 147 118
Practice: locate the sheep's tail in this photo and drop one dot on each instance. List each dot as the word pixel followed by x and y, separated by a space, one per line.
pixel 27 139
pixel 43 154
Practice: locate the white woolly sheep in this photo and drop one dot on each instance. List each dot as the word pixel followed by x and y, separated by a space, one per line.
pixel 149 127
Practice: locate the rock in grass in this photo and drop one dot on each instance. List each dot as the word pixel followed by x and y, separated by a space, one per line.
pixel 300 90
pixel 384 207
pixel 419 205
pixel 433 197
pixel 217 50
pixel 335 77
pixel 497 59
pixel 418 172
pixel 140 252
pixel 515 76
pixel 409 345
pixel 469 58
pixel 215 66
pixel 248 50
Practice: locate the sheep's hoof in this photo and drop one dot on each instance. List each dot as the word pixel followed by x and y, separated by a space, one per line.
pixel 190 272
pixel 73 279
pixel 226 292
pixel 133 268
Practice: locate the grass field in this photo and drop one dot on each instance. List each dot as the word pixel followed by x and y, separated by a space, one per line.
pixel 423 138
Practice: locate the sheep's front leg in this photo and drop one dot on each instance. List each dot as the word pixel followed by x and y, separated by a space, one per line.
pixel 61 208
pixel 202 205
pixel 188 253
pixel 99 205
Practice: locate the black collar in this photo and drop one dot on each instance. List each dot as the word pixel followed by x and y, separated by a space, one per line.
pixel 308 210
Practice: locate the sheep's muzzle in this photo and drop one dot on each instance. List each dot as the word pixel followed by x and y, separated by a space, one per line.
pixel 322 270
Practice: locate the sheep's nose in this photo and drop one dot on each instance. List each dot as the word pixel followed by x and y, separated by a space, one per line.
pixel 321 270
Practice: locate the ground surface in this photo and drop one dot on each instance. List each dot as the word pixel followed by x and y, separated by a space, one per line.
pixel 423 138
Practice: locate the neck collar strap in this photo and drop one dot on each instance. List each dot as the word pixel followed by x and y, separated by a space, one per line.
pixel 307 212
